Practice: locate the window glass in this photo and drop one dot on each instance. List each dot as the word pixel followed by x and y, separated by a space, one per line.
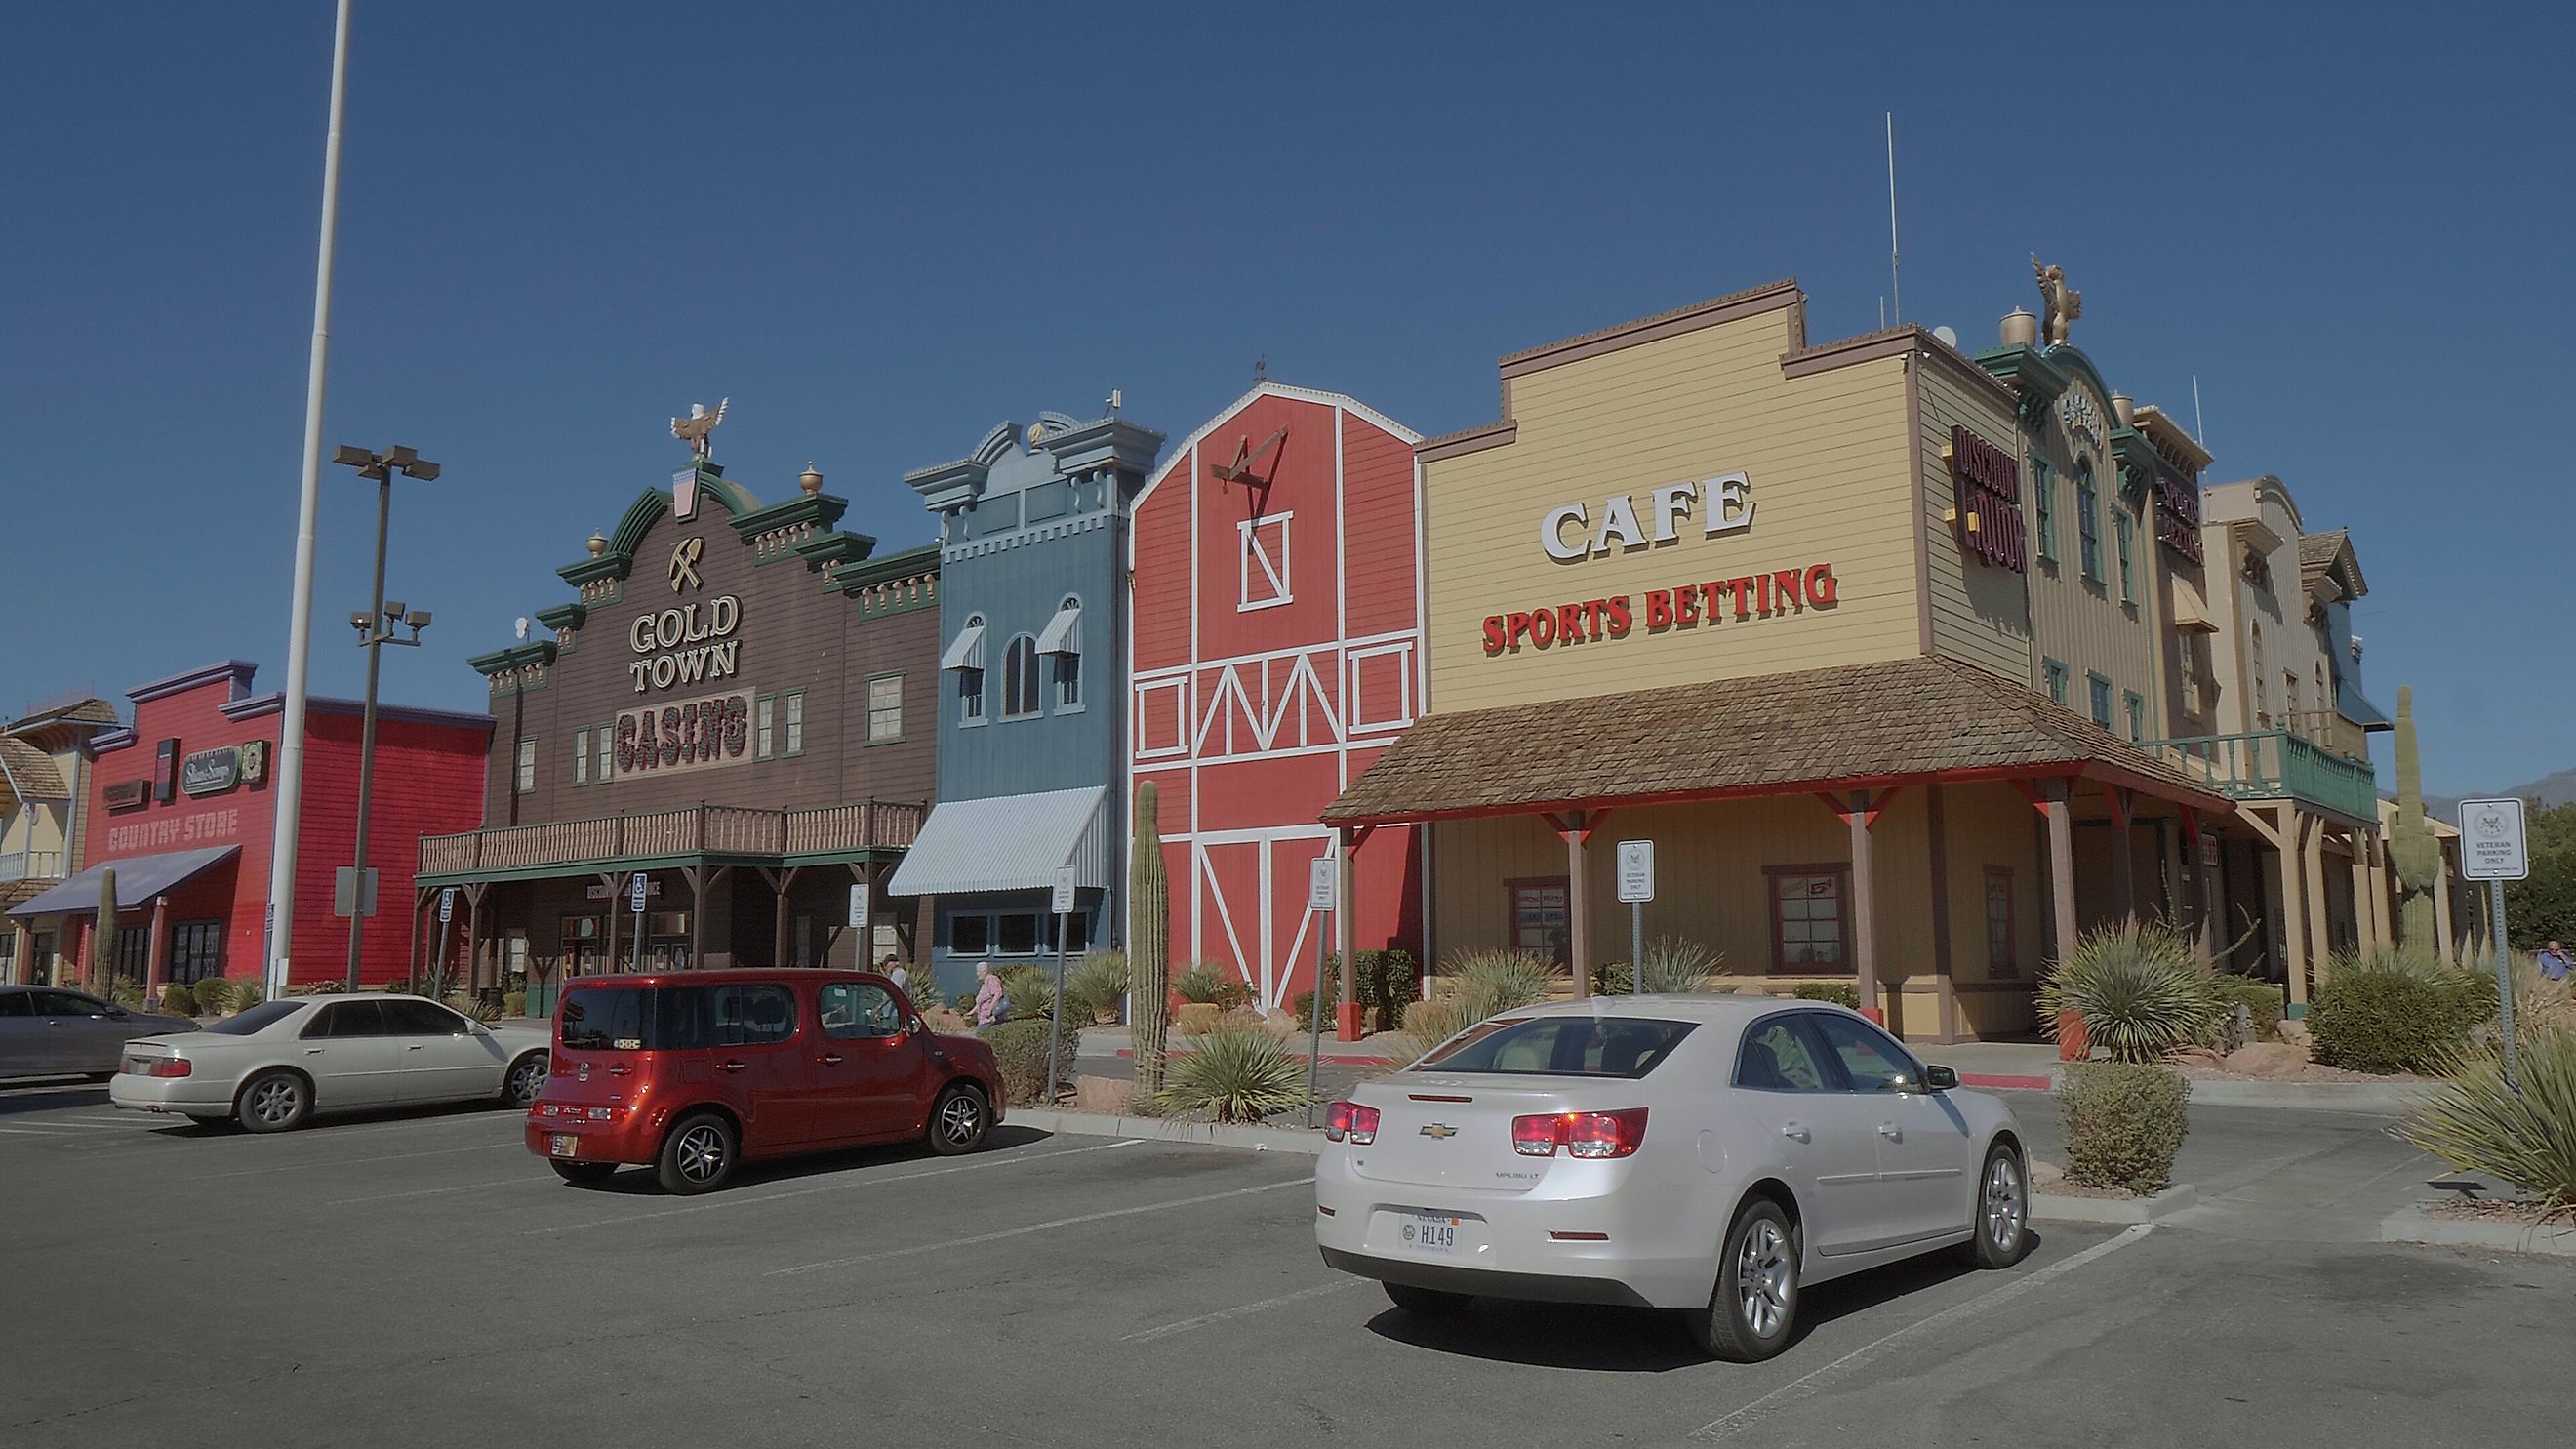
pixel 526 778
pixel 1807 919
pixel 67 1003
pixel 422 1018
pixel 748 1015
pixel 196 951
pixel 342 1019
pixel 2044 494
pixel 970 935
pixel 602 1018
pixel 2137 708
pixel 885 709
pixel 581 757
pixel 1068 680
pixel 1077 934
pixel 16 1003
pixel 764 726
pixel 2056 674
pixel 2088 521
pixel 859 1010
pixel 256 1020
pixel 792 706
pixel 2128 573
pixel 1020 678
pixel 1870 1061
pixel 2100 690
pixel 1564 1046
pixel 1778 1057
pixel 607 752
pixel 1539 919
pixel 1016 934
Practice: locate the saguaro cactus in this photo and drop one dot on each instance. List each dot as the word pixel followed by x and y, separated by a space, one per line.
pixel 102 943
pixel 1149 945
pixel 2411 845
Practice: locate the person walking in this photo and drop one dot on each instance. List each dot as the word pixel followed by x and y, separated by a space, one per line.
pixel 992 1001
pixel 893 971
pixel 2555 963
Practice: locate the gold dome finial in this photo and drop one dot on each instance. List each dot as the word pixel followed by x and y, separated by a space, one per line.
pixel 809 480
pixel 598 543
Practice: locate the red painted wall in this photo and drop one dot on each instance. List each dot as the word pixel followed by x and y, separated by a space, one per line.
pixel 429 780
pixel 1246 718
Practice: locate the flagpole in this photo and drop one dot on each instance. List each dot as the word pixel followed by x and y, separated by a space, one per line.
pixel 289 787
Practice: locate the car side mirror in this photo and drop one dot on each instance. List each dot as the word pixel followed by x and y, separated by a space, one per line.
pixel 1939 1079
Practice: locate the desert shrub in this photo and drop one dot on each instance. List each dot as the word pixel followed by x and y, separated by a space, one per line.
pixel 1401 1048
pixel 2476 1123
pixel 1198 985
pixel 1031 989
pixel 1433 1021
pixel 1613 978
pixel 485 1010
pixel 247 994
pixel 1095 984
pixel 315 988
pixel 946 1022
pixel 212 995
pixel 2261 1000
pixel 2394 1013
pixel 514 1003
pixel 1302 1007
pixel 1385 983
pixel 1839 993
pixel 1197 1017
pixel 1233 1075
pixel 2124 1123
pixel 1020 1050
pixel 2141 991
pixel 177 1001
pixel 1233 994
pixel 1479 984
pixel 1675 967
pixel 127 994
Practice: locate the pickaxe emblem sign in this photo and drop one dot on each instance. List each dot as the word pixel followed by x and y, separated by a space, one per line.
pixel 684 563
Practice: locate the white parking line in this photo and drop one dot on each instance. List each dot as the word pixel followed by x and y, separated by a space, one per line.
pixel 1807 1386
pixel 1025 1230
pixel 1243 1310
pixel 74 1124
pixel 735 1201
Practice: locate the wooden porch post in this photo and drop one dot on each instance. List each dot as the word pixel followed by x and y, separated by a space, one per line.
pixel 2365 922
pixel 608 954
pixel 156 955
pixel 1943 969
pixel 696 876
pixel 2061 864
pixel 2383 927
pixel 1576 826
pixel 2124 864
pixel 2315 889
pixel 2204 930
pixel 1346 897
pixel 1864 908
pixel 782 882
pixel 420 900
pixel 2292 853
pixel 22 955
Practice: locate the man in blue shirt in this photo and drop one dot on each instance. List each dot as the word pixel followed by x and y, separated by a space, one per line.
pixel 2554 962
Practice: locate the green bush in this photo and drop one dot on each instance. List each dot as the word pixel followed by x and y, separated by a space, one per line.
pixel 176 1001
pixel 1675 967
pixel 212 995
pixel 1836 992
pixel 2261 1000
pixel 1232 994
pixel 1198 984
pixel 2394 1013
pixel 1387 982
pixel 2140 989
pixel 2475 1123
pixel 1096 984
pixel 127 994
pixel 1479 984
pixel 1613 978
pixel 2123 1123
pixel 514 1003
pixel 1031 989
pixel 1233 1075
pixel 1020 1049
pixel 247 994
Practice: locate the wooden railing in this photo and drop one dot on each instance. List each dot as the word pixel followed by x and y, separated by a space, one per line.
pixel 2275 764
pixel 30 864
pixel 723 830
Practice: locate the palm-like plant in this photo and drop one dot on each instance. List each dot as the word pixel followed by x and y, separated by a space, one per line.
pixel 2475 1122
pixel 1675 967
pixel 2140 991
pixel 1233 1075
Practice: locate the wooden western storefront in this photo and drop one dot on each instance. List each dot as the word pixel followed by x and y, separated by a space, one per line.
pixel 1910 829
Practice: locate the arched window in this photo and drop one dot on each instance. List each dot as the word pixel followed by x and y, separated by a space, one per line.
pixel 2262 686
pixel 2088 519
pixel 1020 678
pixel 966 658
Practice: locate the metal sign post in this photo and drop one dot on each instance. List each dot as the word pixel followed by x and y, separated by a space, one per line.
pixel 635 893
pixel 1636 887
pixel 2494 848
pixel 438 961
pixel 1323 886
pixel 1062 905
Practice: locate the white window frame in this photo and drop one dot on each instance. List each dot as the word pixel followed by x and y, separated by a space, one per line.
pixel 581 756
pixel 523 771
pixel 1279 573
pixel 1177 688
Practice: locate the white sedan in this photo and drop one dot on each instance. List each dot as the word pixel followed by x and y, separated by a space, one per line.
pixel 1712 1154
pixel 272 1067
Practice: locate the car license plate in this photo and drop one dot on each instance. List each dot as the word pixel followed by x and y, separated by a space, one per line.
pixel 560 1144
pixel 1430 1233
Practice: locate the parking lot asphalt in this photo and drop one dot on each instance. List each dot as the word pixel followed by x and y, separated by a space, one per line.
pixel 419 1280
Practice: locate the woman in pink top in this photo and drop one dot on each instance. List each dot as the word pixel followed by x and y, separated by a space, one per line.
pixel 991 1004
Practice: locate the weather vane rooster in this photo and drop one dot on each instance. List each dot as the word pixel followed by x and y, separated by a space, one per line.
pixel 2063 303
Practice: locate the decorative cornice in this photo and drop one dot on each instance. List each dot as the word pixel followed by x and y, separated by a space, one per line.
pixel 2035 379
pixel 563 616
pixel 1472 440
pixel 1110 442
pixel 236 673
pixel 1770 296
pixel 1024 536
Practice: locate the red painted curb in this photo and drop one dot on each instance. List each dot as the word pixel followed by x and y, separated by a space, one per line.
pixel 2005 1083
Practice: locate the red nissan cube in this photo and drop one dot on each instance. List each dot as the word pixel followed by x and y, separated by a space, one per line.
pixel 695 1071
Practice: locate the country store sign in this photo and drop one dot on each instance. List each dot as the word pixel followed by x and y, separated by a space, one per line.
pixel 1575 533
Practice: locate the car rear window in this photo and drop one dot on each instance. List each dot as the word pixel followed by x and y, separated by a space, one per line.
pixel 675 1018
pixel 256 1020
pixel 1562 1046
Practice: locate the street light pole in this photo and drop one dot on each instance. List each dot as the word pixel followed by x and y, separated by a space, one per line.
pixel 375 631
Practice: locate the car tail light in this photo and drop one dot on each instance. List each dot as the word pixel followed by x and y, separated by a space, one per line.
pixel 1589 1135
pixel 1350 1120
pixel 171 1067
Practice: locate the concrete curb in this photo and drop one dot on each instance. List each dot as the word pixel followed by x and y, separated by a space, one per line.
pixel 2414 1225
pixel 2378 1098
pixel 1168 1129
pixel 2057 1207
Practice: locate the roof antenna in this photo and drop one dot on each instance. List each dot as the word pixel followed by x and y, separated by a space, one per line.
pixel 1117 398
pixel 1895 287
pixel 2199 434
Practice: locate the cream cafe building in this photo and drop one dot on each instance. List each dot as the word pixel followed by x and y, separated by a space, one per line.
pixel 1886 648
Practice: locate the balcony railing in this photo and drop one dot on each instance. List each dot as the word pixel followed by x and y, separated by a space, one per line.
pixel 30 864
pixel 717 830
pixel 2274 765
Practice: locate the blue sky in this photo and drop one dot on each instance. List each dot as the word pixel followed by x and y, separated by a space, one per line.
pixel 881 231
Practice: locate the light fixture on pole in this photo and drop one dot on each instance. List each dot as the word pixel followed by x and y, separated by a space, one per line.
pixel 375 629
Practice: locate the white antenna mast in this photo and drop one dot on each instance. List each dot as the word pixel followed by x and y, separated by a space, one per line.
pixel 1895 287
pixel 2199 434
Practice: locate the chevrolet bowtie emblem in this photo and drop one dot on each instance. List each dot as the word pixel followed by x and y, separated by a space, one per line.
pixel 1438 1129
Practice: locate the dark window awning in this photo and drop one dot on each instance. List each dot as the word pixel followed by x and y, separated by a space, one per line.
pixel 138 878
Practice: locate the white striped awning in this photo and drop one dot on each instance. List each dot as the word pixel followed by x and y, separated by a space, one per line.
pixel 1007 843
pixel 966 651
pixel 1063 633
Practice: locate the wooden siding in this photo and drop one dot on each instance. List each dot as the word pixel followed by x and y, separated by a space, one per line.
pixel 1829 468
pixel 2082 622
pixel 1980 613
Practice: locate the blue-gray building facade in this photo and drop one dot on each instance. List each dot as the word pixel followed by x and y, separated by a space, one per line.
pixel 1033 675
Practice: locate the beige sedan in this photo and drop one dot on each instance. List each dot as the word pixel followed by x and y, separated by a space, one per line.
pixel 276 1065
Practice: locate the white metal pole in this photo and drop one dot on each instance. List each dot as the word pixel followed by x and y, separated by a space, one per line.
pixel 289 786
pixel 1896 288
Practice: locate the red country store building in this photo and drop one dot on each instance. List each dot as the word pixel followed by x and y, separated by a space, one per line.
pixel 1277 651
pixel 179 805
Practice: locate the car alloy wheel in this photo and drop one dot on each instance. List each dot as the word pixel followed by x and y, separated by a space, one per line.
pixel 1753 1307
pixel 274 1102
pixel 701 1153
pixel 957 1121
pixel 527 1079
pixel 1764 1281
pixel 2005 1203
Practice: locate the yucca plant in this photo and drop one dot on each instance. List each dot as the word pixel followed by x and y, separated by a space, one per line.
pixel 1197 985
pixel 213 994
pixel 1093 985
pixel 247 994
pixel 1675 967
pixel 1233 1075
pixel 2141 992
pixel 2476 1123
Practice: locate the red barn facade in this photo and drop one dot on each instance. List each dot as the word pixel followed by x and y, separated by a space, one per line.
pixel 1276 650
